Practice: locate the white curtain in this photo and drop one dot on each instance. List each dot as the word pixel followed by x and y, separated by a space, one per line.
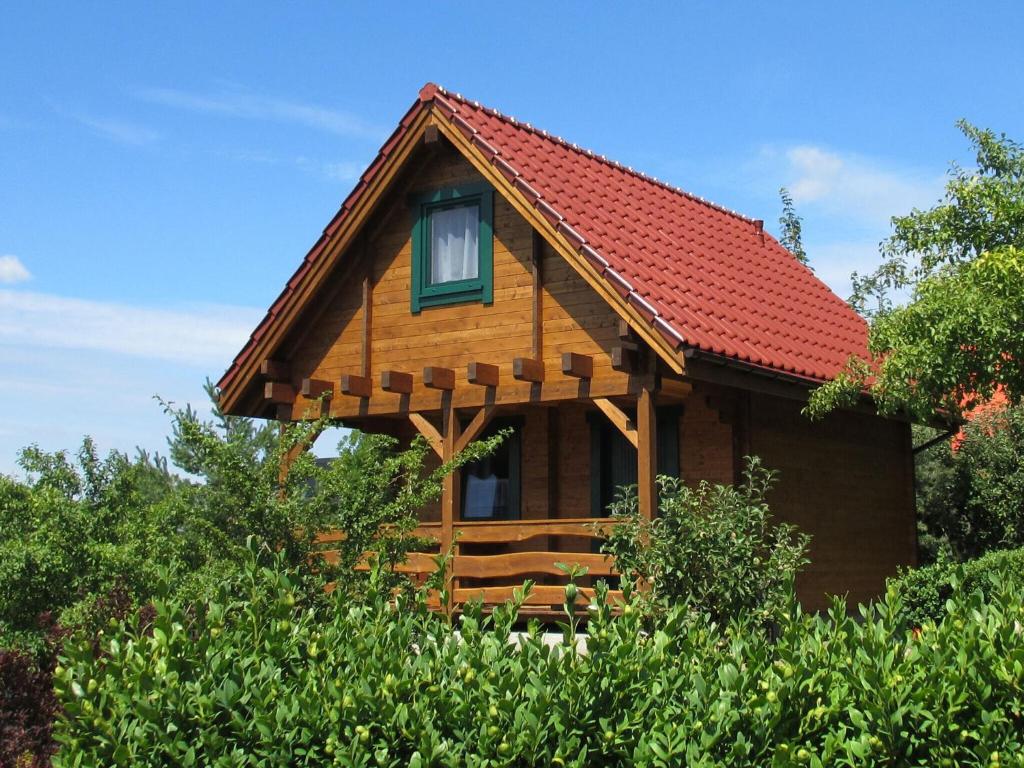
pixel 453 244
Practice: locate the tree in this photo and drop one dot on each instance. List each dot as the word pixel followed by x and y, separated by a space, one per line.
pixel 791 227
pixel 82 533
pixel 960 336
pixel 971 499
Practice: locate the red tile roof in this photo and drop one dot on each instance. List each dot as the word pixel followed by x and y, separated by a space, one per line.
pixel 705 277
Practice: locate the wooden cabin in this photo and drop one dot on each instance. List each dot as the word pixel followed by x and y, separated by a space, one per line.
pixel 485 274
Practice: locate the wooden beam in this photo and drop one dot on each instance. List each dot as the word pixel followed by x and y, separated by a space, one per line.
pixel 475 427
pixel 356 386
pixel 672 388
pixel 625 331
pixel 509 392
pixel 366 336
pixel 623 359
pixel 278 392
pixel 277 370
pixel 283 412
pixel 396 381
pixel 525 369
pixel 314 388
pixel 430 135
pixel 618 417
pixel 439 378
pixel 537 271
pixel 484 374
pixel 293 453
pixel 580 366
pixel 429 431
pixel 647 455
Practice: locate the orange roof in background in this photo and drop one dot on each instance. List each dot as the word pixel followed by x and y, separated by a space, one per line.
pixel 705 277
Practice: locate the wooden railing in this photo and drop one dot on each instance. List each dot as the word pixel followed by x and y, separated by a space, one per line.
pixel 474 576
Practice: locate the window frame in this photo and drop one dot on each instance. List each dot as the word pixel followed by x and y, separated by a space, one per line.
pixel 478 289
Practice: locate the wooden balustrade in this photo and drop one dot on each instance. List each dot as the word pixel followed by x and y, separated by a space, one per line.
pixel 506 566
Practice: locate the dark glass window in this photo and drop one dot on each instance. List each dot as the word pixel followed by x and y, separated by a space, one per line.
pixel 491 487
pixel 613 459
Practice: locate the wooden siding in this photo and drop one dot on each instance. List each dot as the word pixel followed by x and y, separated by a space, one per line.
pixel 574 317
pixel 847 481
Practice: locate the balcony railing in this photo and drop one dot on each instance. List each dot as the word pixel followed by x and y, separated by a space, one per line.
pixel 492 578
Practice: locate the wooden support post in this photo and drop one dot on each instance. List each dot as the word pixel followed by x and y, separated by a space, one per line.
pixel 429 431
pixel 356 386
pixel 525 369
pixel 475 427
pixel 439 378
pixel 292 454
pixel 580 366
pixel 537 264
pixel 450 489
pixel 278 392
pixel 396 381
pixel 621 421
pixel 646 454
pixel 625 332
pixel 483 374
pixel 314 388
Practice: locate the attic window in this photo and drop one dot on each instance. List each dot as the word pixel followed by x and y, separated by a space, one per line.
pixel 452 247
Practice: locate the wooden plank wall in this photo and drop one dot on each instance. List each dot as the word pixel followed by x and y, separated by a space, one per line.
pixel 575 318
pixel 844 481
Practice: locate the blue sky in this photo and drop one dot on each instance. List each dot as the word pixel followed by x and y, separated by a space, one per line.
pixel 164 167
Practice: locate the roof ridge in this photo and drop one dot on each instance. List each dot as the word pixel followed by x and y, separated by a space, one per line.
pixel 430 90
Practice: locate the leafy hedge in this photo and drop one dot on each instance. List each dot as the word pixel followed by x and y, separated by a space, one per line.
pixel 267 679
pixel 923 592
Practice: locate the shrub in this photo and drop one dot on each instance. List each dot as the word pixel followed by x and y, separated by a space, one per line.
pixel 971 500
pixel 923 592
pixel 712 548
pixel 259 677
pixel 80 530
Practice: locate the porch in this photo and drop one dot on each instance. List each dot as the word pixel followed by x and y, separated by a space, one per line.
pixel 541 501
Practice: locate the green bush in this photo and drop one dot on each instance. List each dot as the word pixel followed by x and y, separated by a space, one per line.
pixel 261 677
pixel 923 592
pixel 713 548
pixel 83 538
pixel 971 500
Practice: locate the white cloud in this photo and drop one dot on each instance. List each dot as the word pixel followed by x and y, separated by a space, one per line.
pixel 855 187
pixel 205 336
pixel 244 104
pixel 121 131
pixel 343 171
pixel 13 271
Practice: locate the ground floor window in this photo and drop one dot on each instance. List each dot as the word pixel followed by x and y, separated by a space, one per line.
pixel 492 487
pixel 613 459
